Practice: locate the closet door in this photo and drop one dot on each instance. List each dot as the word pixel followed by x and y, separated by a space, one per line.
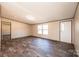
pixel 65 31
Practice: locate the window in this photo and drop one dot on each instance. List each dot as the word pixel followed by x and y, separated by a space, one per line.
pixel 62 27
pixel 39 29
pixel 43 29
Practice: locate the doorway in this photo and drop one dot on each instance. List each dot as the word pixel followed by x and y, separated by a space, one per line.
pixel 5 33
pixel 65 31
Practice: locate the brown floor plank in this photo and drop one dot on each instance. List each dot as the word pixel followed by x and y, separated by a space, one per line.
pixel 36 47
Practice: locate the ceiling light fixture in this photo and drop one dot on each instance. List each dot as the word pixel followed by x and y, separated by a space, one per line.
pixel 29 17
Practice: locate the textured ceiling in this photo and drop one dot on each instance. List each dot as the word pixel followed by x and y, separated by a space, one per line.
pixel 38 11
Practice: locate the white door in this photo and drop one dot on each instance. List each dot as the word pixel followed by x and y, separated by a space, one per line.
pixel 65 31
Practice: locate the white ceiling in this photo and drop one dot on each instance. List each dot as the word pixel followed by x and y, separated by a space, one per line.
pixel 40 11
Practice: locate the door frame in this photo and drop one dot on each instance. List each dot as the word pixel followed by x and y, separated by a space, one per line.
pixel 1 32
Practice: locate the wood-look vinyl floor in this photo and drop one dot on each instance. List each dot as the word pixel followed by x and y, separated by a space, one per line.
pixel 36 47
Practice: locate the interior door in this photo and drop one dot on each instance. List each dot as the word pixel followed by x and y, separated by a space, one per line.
pixel 6 34
pixel 6 31
pixel 65 31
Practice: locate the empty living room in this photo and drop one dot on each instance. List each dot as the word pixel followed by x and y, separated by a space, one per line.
pixel 39 29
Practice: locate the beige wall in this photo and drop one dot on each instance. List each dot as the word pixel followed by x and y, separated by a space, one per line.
pixel 19 29
pixel 53 31
pixel 77 30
